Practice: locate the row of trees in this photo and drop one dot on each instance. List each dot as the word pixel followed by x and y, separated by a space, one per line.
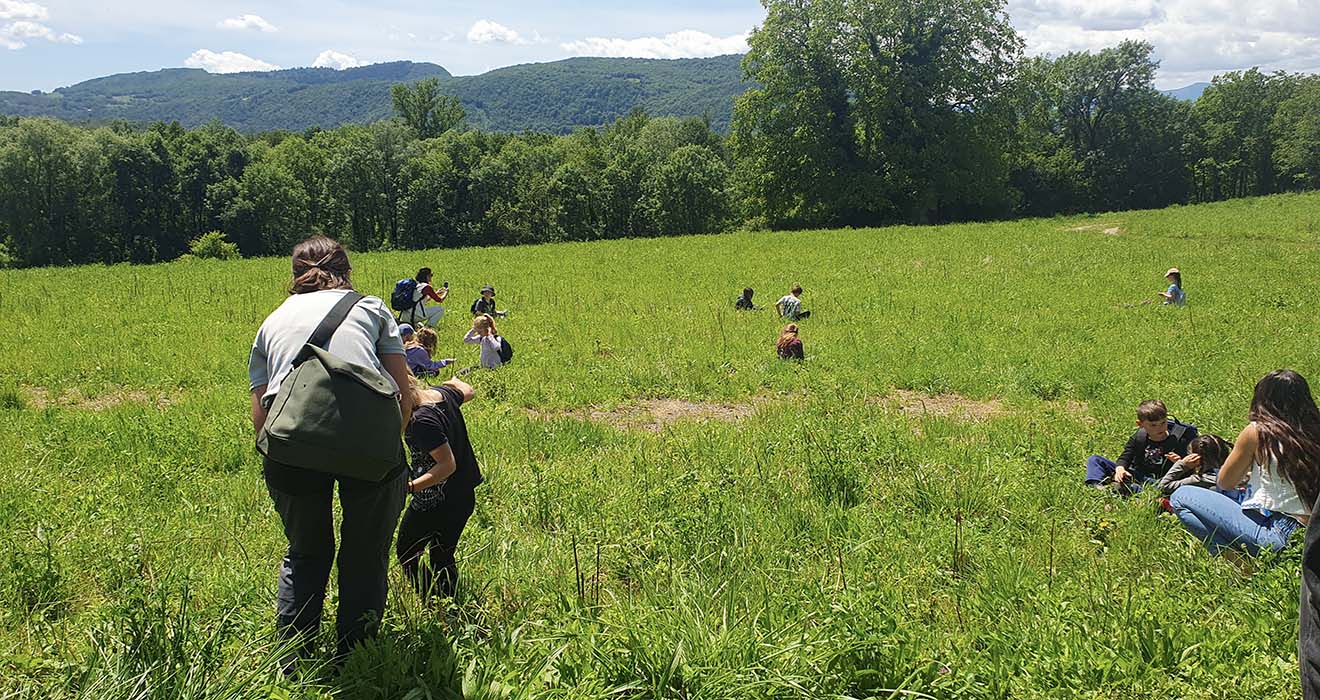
pixel 863 114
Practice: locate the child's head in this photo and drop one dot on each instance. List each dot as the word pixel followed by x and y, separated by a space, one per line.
pixel 747 293
pixel 789 334
pixel 1153 417
pixel 424 275
pixel 488 292
pixel 428 339
pixel 1213 450
pixel 1174 276
pixel 406 333
pixel 484 324
pixel 796 290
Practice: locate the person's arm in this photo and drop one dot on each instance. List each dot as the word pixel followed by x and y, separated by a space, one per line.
pixel 428 292
pixel 397 367
pixel 1182 473
pixel 258 411
pixel 463 388
pixel 1240 459
pixel 443 469
pixel 1131 451
pixel 472 338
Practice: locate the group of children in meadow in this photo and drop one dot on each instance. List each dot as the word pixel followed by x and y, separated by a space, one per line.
pixel 788 346
pixel 1249 495
pixel 437 471
pixel 409 301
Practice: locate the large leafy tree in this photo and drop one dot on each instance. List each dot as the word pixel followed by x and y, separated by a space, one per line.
pixel 870 112
pixel 426 109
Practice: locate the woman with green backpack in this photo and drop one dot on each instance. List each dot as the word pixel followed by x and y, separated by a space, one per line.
pixel 327 343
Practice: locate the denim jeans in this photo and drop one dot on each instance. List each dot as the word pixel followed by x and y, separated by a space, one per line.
pixel 1219 522
pixel 304 500
pixel 1101 470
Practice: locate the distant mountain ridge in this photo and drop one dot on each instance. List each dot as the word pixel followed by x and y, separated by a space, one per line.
pixel 553 97
pixel 1190 93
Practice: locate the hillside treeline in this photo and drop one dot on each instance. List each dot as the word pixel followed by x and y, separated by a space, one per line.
pixel 920 111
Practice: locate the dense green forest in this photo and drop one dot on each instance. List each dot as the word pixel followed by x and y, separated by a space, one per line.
pixel 551 97
pixel 926 112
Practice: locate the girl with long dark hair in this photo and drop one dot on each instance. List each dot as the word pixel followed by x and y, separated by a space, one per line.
pixel 1280 449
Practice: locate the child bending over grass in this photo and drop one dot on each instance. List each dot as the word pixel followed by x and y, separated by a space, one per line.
pixel 1200 468
pixel 420 347
pixel 789 346
pixel 443 483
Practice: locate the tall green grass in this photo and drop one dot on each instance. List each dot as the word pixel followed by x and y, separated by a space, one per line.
pixel 829 544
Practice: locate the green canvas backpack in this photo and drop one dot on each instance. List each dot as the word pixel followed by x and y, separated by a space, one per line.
pixel 333 416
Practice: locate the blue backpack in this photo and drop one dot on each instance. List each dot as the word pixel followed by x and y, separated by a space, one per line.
pixel 403 298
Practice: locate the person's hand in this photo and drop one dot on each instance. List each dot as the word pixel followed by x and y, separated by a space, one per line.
pixel 1121 474
pixel 1172 456
pixel 449 360
pixel 1193 462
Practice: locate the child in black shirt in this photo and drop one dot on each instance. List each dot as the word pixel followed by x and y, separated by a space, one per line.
pixel 445 476
pixel 1157 444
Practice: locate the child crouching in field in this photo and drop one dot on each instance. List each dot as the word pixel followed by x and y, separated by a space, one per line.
pixel 1156 445
pixel 420 348
pixel 445 476
pixel 789 346
pixel 1200 468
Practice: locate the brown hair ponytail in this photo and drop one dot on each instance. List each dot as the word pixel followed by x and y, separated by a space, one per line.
pixel 320 263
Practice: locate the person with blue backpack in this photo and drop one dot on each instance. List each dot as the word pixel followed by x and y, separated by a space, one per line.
pixel 409 299
pixel 1157 444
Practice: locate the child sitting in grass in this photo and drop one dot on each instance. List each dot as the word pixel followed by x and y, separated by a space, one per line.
pixel 1156 445
pixel 420 348
pixel 1174 295
pixel 1200 468
pixel 789 346
pixel 484 334
pixel 744 302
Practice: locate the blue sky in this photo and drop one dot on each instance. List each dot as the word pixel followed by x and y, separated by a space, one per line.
pixel 46 44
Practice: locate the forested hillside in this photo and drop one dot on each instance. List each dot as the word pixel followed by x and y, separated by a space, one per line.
pixel 551 97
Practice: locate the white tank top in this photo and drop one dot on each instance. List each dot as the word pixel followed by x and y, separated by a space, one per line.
pixel 1272 491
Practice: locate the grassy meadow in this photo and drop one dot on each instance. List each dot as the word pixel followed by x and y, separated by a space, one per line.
pixel 899 516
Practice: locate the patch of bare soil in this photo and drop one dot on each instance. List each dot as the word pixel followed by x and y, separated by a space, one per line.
pixel 1109 229
pixel 915 403
pixel 654 414
pixel 40 397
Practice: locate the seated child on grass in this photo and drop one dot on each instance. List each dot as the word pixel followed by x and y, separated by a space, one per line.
pixel 1156 445
pixel 744 302
pixel 420 347
pixel 1200 468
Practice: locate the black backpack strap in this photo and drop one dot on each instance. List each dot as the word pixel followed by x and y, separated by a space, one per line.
pixel 321 336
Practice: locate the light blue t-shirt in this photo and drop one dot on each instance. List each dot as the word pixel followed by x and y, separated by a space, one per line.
pixel 1177 296
pixel 368 332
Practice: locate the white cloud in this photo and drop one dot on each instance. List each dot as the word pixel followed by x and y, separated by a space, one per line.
pixel 334 59
pixel 226 62
pixel 688 43
pixel 24 23
pixel 13 9
pixel 15 35
pixel 1193 39
pixel 245 22
pixel 484 31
